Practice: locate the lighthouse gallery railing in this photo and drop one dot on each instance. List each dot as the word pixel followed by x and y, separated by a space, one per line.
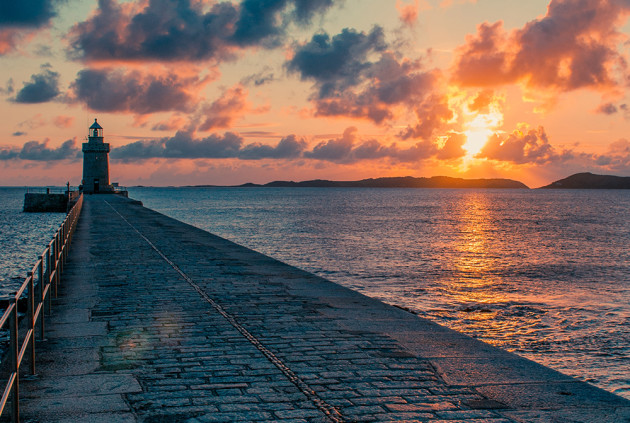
pixel 41 280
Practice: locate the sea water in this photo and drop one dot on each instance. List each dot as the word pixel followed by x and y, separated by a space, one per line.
pixel 23 237
pixel 542 273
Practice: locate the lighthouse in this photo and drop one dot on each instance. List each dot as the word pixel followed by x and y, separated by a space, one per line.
pixel 96 162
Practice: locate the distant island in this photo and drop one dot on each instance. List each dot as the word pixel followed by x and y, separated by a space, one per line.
pixel 584 180
pixel 398 182
pixel 587 180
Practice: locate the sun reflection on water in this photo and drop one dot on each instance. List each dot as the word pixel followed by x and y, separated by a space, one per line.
pixel 476 288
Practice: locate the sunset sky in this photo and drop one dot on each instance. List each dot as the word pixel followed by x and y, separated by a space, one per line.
pixel 210 92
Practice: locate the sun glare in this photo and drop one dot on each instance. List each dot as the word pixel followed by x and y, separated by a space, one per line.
pixel 475 140
pixel 480 128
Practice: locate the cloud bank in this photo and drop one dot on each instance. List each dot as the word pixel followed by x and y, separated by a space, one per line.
pixel 215 146
pixel 118 90
pixel 185 30
pixel 39 151
pixel 348 148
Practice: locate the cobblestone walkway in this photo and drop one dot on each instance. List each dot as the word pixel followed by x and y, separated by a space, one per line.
pixel 161 322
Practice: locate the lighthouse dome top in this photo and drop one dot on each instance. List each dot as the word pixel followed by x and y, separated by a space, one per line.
pixel 95 125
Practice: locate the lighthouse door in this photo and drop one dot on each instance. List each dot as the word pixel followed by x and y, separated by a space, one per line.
pixel 96 185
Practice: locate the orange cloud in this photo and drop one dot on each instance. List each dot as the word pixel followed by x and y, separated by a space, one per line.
pixel 574 46
pixel 482 102
pixel 408 13
pixel 522 146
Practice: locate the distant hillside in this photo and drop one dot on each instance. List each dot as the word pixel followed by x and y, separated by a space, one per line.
pixel 588 180
pixel 400 182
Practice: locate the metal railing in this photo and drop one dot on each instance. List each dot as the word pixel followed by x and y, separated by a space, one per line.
pixel 41 280
pixel 46 190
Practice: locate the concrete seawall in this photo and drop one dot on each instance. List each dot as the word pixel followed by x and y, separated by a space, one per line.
pixel 45 202
pixel 158 321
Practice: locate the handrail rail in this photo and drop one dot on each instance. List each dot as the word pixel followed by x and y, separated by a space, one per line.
pixel 50 190
pixel 46 271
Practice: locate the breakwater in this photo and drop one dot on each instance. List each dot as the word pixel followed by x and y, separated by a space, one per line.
pixel 159 320
pixel 47 200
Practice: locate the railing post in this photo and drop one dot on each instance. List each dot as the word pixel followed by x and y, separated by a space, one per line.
pixel 60 241
pixel 49 269
pixel 64 235
pixel 40 295
pixel 13 322
pixel 57 262
pixel 31 318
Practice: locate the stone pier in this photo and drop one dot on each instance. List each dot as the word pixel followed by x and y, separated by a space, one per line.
pixel 158 321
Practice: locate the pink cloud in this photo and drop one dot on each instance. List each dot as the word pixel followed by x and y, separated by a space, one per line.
pixel 8 40
pixel 223 112
pixel 63 121
pixel 617 158
pixel 173 123
pixel 408 13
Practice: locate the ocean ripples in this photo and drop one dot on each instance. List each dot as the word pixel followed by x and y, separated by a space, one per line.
pixel 23 237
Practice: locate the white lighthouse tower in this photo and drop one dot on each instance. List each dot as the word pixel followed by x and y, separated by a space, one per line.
pixel 96 162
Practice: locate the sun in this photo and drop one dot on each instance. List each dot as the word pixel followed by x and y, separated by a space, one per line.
pixel 479 128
